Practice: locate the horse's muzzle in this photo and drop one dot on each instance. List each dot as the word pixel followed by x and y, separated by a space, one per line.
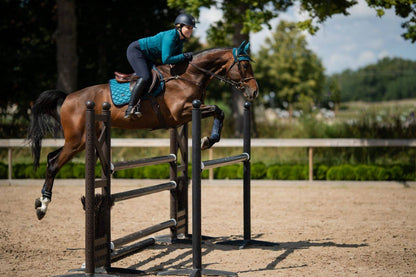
pixel 250 92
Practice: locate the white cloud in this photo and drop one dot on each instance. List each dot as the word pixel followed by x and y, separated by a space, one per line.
pixel 361 10
pixel 383 54
pixel 206 17
pixel 210 15
pixel 366 57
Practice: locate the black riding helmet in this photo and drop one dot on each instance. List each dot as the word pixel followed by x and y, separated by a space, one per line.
pixel 185 19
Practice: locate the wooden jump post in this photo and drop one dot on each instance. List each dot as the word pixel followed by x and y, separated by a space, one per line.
pixel 98 241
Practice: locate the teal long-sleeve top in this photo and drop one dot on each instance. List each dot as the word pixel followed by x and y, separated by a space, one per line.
pixel 164 48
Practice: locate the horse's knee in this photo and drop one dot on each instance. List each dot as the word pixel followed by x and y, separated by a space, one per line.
pixel 218 113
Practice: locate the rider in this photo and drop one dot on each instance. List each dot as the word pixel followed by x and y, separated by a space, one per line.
pixel 164 48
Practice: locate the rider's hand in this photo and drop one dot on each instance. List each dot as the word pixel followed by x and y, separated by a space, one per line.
pixel 188 56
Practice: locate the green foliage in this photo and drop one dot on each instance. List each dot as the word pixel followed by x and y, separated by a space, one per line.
pixel 160 171
pixel 371 172
pixel 78 171
pixel 65 172
pixel 287 172
pixel 286 67
pixel 396 173
pixel 388 79
pixel 342 172
pixel 259 170
pixel 321 172
pixel 228 172
pixel 273 172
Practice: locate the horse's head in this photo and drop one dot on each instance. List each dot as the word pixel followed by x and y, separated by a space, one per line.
pixel 241 72
pixel 235 63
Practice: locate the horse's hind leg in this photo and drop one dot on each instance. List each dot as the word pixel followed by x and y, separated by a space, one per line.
pixel 208 142
pixel 41 203
pixel 56 160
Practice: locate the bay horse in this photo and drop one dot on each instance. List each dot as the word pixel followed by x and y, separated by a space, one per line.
pixel 184 82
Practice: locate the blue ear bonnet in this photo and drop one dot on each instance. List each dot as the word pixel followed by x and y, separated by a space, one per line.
pixel 240 53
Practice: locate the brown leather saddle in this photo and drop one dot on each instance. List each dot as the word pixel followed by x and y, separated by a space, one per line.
pixel 132 78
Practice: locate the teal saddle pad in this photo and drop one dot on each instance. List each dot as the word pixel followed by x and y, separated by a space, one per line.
pixel 120 92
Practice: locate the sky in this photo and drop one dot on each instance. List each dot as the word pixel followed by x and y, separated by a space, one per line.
pixel 342 42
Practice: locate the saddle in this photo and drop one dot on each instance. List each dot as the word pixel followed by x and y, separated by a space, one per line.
pixel 132 79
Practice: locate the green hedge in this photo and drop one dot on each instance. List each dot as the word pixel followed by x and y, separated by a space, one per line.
pixel 259 170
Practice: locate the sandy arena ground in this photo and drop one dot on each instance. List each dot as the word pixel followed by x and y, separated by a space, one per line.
pixel 322 229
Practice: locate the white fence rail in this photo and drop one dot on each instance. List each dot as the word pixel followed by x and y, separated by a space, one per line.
pixel 306 143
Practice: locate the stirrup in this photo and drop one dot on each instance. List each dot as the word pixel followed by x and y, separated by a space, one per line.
pixel 136 111
pixel 129 112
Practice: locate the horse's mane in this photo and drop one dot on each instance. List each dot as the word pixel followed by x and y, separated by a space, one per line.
pixel 209 51
pixel 198 54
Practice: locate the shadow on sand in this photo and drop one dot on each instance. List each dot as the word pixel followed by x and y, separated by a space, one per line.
pixel 184 259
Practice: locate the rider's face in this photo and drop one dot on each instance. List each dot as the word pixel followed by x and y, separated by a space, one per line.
pixel 187 31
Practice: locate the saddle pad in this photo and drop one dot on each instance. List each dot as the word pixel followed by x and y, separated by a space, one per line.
pixel 120 92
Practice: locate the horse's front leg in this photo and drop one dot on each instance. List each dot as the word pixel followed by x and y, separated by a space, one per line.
pixel 212 110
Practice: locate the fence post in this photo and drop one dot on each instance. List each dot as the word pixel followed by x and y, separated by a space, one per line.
pixel 211 157
pixel 310 163
pixel 10 170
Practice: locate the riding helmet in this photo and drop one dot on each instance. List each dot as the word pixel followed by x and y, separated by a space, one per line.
pixel 185 19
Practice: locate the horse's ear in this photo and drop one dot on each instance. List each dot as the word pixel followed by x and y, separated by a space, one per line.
pixel 247 47
pixel 241 48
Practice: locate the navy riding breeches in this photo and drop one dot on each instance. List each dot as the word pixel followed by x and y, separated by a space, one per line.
pixel 138 61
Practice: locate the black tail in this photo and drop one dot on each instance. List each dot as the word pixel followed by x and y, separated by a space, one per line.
pixel 44 119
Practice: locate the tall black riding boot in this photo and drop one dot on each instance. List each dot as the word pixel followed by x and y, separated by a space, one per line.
pixel 137 92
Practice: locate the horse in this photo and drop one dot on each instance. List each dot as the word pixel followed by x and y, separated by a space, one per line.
pixel 184 82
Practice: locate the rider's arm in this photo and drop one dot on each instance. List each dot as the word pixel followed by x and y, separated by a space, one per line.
pixel 168 48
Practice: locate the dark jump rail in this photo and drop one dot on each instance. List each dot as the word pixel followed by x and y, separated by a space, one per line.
pixel 100 249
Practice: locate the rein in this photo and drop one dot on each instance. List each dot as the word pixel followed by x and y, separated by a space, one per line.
pixel 238 85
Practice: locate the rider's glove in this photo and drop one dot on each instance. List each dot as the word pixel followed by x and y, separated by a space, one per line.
pixel 188 56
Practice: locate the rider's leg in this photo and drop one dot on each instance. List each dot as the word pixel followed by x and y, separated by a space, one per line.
pixel 140 66
pixel 136 94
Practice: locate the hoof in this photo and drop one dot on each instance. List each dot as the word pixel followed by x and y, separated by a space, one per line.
pixel 205 143
pixel 38 204
pixel 40 214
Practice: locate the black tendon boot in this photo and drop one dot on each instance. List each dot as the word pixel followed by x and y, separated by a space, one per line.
pixel 137 92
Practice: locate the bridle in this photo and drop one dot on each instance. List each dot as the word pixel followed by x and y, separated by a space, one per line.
pixel 237 60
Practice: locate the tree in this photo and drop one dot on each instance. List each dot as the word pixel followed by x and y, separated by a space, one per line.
pixel 388 79
pixel 288 68
pixel 28 53
pixel 66 45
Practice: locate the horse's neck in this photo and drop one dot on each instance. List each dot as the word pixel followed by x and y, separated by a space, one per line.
pixel 212 62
